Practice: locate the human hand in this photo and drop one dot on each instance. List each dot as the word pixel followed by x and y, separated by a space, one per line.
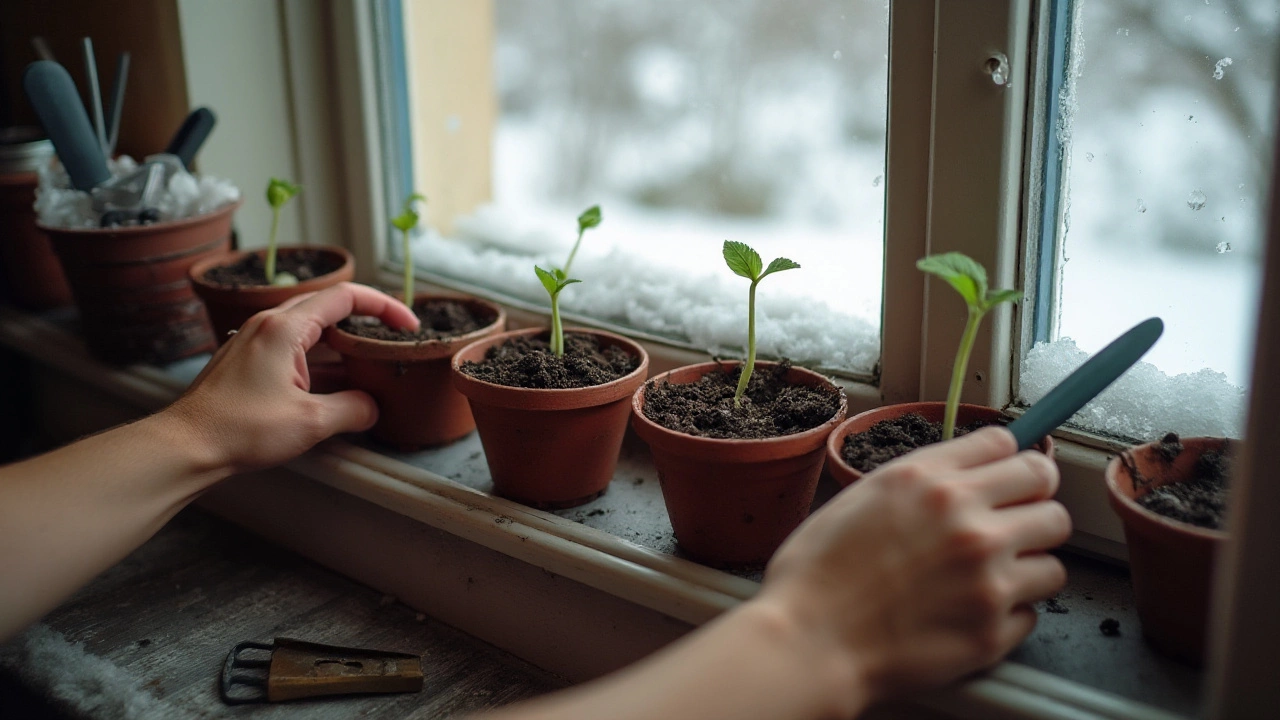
pixel 252 406
pixel 925 569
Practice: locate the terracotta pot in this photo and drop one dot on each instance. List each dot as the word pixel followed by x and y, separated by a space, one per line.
pixel 229 307
pixel 733 502
pixel 931 411
pixel 412 382
pixel 550 448
pixel 32 272
pixel 1171 562
pixel 130 284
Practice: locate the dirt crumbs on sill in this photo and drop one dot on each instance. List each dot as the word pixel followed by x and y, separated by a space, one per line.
pixel 1109 627
pixel 527 362
pixel 1055 606
pixel 251 270
pixel 1200 501
pixel 440 319
pixel 1170 447
pixel 889 439
pixel 770 407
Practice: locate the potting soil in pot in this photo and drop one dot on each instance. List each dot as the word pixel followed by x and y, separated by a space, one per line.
pixel 1200 501
pixel 527 362
pixel 440 319
pixel 251 270
pixel 889 439
pixel 770 406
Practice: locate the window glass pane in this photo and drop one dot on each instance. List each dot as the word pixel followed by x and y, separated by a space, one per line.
pixel 689 123
pixel 1167 129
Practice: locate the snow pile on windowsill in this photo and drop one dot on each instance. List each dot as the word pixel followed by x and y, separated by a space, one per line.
pixel 60 205
pixel 1145 403
pixel 707 310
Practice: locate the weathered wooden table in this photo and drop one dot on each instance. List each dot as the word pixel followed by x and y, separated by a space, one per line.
pixel 165 618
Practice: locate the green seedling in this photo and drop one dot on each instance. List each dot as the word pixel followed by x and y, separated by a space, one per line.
pixel 970 280
pixel 405 222
pixel 744 261
pixel 279 192
pixel 554 282
pixel 558 279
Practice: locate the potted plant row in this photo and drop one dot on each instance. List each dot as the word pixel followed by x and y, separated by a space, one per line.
pixel 551 404
pixel 235 286
pixel 872 438
pixel 409 373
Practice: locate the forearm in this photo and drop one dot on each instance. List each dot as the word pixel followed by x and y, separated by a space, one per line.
pixel 749 664
pixel 68 515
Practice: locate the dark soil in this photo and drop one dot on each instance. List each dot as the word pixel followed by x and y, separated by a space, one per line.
pixel 1109 627
pixel 440 319
pixel 1200 501
pixel 527 362
pixel 1055 606
pixel 770 406
pixel 889 439
pixel 1170 447
pixel 251 270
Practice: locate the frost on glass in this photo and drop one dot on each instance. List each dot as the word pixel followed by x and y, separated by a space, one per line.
pixel 694 122
pixel 1168 126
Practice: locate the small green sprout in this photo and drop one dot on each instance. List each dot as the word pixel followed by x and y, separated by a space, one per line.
pixel 405 222
pixel 279 192
pixel 588 219
pixel 744 261
pixel 970 280
pixel 554 282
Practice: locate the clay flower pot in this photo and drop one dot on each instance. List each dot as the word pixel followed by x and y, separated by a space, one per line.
pixel 130 284
pixel 412 382
pixel 229 307
pixel 550 448
pixel 732 502
pixel 932 411
pixel 1171 562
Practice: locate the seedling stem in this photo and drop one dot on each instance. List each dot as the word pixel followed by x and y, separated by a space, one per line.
pixel 405 222
pixel 279 192
pixel 744 261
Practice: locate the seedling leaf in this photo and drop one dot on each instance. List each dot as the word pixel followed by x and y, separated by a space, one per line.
pixel 408 219
pixel 742 260
pixel 995 297
pixel 549 280
pixel 589 218
pixel 780 264
pixel 961 272
pixel 280 192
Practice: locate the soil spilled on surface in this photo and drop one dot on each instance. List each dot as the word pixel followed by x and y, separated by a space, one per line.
pixel 1200 501
pixel 251 270
pixel 527 362
pixel 440 319
pixel 770 406
pixel 889 439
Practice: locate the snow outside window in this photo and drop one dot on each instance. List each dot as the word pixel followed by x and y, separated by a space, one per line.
pixel 1167 125
pixel 690 123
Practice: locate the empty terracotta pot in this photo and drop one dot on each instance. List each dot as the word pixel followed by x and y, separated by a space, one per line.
pixel 1171 562
pixel 130 284
pixel 229 307
pixel 550 448
pixel 966 414
pixel 412 382
pixel 733 502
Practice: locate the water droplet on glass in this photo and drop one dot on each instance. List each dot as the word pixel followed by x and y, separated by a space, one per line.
pixel 1122 31
pixel 1223 247
pixel 1196 200
pixel 1142 207
pixel 1240 186
pixel 998 68
pixel 1237 29
pixel 1219 66
pixel 1186 18
pixel 836 55
pixel 876 182
pixel 1088 156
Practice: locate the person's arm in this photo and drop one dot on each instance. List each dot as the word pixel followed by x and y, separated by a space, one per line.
pixel 918 574
pixel 70 514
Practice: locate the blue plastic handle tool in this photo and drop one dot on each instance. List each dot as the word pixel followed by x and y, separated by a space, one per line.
pixel 1083 385
pixel 53 96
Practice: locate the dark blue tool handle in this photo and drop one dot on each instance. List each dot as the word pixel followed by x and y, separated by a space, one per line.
pixel 1085 383
pixel 194 131
pixel 53 96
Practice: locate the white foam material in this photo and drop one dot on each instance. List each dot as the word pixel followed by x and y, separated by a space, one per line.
pixel 60 205
pixel 92 686
pixel 1145 403
pixel 707 309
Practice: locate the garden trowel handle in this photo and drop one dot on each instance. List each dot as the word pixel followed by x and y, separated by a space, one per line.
pixel 53 96
pixel 194 131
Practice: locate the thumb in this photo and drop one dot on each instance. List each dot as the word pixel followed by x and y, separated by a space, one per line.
pixel 347 411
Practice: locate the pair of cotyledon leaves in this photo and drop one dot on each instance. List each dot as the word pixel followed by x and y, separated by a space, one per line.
pixel 556 280
pixel 744 261
pixel 969 279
